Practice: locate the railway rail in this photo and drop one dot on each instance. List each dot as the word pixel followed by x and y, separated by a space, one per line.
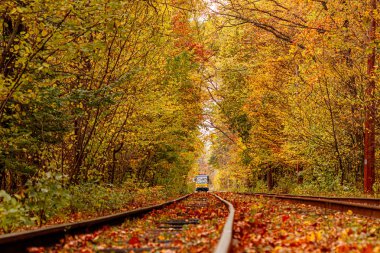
pixel 369 207
pixel 162 232
pixel 364 201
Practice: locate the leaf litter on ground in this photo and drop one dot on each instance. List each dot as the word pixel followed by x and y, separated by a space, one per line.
pixel 267 225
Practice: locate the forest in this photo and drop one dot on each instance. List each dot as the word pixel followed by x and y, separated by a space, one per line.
pixel 129 100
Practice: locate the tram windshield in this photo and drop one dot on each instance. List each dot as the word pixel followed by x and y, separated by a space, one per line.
pixel 201 180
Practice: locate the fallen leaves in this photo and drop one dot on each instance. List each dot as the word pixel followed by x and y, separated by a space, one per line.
pixel 267 225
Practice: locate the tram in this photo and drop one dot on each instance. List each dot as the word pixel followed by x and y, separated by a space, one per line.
pixel 201 182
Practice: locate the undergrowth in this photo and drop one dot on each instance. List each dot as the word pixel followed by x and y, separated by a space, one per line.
pixel 286 186
pixel 48 199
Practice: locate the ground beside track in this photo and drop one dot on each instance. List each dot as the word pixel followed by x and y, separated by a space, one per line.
pixel 268 225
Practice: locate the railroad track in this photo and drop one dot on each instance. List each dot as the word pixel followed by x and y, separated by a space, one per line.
pixel 150 229
pixel 177 225
pixel 369 207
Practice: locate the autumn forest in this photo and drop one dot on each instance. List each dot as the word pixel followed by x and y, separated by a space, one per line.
pixel 129 100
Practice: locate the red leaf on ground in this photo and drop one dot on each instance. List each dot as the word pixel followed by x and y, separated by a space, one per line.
pixel 134 240
pixel 368 249
pixel 285 218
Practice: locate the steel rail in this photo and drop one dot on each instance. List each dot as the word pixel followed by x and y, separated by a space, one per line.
pixel 343 206
pixel 225 240
pixel 368 201
pixel 20 241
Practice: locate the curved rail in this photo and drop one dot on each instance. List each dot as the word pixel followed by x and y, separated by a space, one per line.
pixel 225 240
pixel 340 204
pixel 19 241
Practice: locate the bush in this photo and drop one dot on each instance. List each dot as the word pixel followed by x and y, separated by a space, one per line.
pixel 12 213
pixel 46 197
pixel 284 185
pixel 149 194
pixel 376 188
pixel 260 186
pixel 92 197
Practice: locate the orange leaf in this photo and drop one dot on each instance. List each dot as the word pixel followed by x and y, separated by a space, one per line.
pixel 36 249
pixel 368 249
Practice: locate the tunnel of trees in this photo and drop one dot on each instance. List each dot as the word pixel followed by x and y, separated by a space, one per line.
pixel 280 93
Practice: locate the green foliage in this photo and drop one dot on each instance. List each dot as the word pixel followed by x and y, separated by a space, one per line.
pixel 101 91
pixel 13 213
pixel 376 188
pixel 103 199
pixel 284 184
pixel 46 197
pixel 97 198
pixel 260 186
pixel 149 194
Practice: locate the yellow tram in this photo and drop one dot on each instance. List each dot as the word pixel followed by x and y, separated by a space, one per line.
pixel 202 182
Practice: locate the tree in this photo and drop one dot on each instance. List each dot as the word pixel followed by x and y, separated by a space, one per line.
pixel 370 109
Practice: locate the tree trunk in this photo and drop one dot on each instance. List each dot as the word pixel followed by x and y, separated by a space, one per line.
pixel 113 169
pixel 299 169
pixel 370 110
pixel 270 178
